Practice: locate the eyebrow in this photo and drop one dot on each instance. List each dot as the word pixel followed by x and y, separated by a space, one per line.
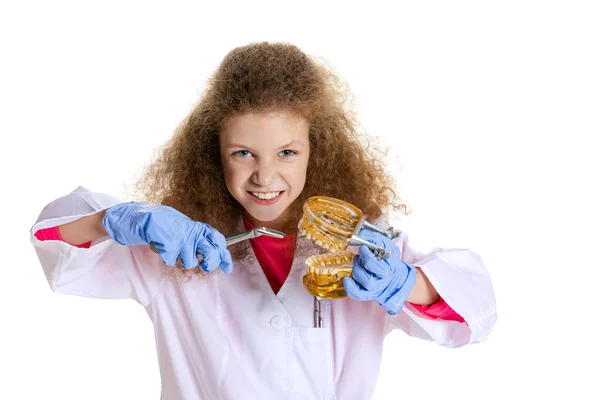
pixel 301 144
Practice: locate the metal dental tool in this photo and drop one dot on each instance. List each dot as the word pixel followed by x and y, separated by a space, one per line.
pixel 356 240
pixel 233 238
pixel 318 320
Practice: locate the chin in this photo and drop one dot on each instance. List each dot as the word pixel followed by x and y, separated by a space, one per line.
pixel 265 217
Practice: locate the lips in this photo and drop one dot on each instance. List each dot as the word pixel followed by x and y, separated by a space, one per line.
pixel 266 195
pixel 265 201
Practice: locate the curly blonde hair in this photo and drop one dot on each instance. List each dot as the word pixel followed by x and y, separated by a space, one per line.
pixel 187 175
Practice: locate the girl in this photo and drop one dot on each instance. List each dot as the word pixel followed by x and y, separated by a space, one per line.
pixel 271 130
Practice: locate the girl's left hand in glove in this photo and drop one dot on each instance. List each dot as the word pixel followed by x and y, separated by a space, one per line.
pixel 389 281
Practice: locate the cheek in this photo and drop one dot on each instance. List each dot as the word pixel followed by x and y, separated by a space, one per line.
pixel 230 177
pixel 235 176
pixel 299 179
pixel 304 171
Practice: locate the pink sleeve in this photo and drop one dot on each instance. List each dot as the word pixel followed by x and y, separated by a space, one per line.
pixel 439 310
pixel 54 234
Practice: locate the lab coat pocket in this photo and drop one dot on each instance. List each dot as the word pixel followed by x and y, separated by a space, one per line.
pixel 312 371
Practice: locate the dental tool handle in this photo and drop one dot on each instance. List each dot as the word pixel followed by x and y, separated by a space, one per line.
pixel 377 250
pixel 317 318
pixel 356 240
pixel 229 239
pixel 390 232
pixel 233 238
pixel 155 250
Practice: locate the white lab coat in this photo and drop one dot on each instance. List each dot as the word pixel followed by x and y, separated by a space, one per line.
pixel 230 337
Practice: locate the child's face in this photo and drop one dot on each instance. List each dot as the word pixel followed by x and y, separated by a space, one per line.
pixel 265 155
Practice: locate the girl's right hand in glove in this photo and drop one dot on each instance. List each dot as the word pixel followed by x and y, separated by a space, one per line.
pixel 174 234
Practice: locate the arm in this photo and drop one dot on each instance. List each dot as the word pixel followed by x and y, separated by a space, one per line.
pixel 423 293
pixel 83 230
pixel 100 269
pixel 466 310
pixel 426 300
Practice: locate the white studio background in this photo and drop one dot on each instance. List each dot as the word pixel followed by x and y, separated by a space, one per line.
pixel 492 109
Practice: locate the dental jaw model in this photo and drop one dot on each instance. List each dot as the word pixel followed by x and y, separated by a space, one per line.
pixel 333 224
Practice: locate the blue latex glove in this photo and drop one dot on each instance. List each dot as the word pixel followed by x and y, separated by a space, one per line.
pixel 174 234
pixel 389 281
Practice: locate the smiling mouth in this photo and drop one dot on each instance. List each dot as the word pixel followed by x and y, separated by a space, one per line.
pixel 266 195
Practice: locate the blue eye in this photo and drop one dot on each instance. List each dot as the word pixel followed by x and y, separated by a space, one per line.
pixel 242 153
pixel 287 153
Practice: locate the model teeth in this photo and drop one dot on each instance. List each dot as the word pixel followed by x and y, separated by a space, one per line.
pixel 265 196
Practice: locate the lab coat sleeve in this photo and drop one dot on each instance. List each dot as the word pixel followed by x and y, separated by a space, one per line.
pixel 462 280
pixel 104 270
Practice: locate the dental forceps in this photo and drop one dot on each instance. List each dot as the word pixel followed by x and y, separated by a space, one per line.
pixel 233 238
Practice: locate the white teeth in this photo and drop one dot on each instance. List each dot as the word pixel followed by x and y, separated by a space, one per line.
pixel 265 196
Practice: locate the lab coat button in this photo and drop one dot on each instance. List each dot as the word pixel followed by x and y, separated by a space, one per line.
pixel 276 321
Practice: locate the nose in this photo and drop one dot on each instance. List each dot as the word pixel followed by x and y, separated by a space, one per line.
pixel 264 174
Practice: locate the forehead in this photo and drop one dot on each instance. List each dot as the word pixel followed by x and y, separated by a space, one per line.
pixel 265 129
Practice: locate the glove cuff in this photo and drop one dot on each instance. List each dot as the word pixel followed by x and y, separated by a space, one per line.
pixel 112 217
pixel 394 303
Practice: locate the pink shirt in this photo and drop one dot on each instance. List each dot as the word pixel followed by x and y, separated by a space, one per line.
pixel 54 234
pixel 274 255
